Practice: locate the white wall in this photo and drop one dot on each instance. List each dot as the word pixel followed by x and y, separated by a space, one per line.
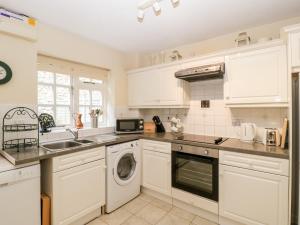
pixel 211 45
pixel 65 45
pixel 20 55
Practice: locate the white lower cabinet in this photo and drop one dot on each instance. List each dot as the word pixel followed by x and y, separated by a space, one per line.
pixel 78 192
pixel 252 197
pixel 157 168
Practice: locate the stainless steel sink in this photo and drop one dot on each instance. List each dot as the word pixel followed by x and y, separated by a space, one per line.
pixel 61 145
pixel 84 141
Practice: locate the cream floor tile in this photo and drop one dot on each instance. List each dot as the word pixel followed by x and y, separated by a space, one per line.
pixel 134 220
pixel 200 221
pixel 145 197
pixel 171 219
pixel 117 217
pixel 135 205
pixel 161 204
pixel 151 214
pixel 182 213
pixel 97 222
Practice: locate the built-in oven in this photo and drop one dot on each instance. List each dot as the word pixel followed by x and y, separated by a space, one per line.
pixel 196 170
pixel 129 126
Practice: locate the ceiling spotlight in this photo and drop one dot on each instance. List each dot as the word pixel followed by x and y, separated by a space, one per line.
pixel 140 15
pixel 175 3
pixel 156 7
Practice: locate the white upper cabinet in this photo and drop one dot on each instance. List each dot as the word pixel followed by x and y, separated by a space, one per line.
pixel 295 49
pixel 157 88
pixel 257 77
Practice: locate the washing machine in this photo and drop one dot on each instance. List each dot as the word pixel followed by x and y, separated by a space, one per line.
pixel 123 174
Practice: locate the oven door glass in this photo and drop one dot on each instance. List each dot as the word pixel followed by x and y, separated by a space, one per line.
pixel 195 174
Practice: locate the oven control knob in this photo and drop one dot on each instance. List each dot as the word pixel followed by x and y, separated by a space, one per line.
pixel 141 127
pixel 206 152
pixel 180 148
pixel 141 121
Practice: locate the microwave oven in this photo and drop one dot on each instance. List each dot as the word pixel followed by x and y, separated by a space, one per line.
pixel 129 126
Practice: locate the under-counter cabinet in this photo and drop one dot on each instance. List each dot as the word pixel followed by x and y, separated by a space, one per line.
pixel 157 88
pixel 295 49
pixel 257 77
pixel 157 166
pixel 76 185
pixel 253 190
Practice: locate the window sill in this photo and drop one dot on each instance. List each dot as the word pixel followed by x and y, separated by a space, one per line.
pixel 58 134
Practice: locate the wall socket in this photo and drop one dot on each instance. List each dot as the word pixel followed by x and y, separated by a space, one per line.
pixel 205 103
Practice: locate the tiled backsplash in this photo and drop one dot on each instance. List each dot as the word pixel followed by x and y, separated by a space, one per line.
pixel 217 120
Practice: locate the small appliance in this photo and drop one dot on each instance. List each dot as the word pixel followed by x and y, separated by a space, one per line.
pixel 206 72
pixel 129 126
pixel 194 168
pixel 248 132
pixel 123 174
pixel 271 137
pixel 159 125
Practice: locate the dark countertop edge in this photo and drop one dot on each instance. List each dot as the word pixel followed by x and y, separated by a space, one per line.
pixel 220 147
pixel 122 139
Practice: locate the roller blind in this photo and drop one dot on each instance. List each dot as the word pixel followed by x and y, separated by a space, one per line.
pixel 46 63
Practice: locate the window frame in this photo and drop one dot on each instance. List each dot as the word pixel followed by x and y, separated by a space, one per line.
pixel 102 87
pixel 54 86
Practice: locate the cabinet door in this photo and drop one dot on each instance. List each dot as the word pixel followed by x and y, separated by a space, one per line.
pixel 151 88
pixel 257 77
pixel 77 192
pixel 135 89
pixel 157 171
pixel 170 86
pixel 143 88
pixel 295 47
pixel 253 198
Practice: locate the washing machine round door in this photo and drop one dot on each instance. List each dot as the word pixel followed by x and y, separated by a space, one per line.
pixel 125 168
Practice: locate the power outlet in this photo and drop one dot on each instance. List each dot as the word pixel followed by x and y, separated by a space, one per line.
pixel 205 103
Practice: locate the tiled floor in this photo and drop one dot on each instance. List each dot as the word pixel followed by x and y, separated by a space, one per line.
pixel 146 210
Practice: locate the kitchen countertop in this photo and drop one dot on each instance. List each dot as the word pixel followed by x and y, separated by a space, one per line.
pixel 235 145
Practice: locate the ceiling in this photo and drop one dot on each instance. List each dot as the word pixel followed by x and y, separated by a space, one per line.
pixel 114 22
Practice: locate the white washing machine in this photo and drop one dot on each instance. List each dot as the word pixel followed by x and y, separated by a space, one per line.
pixel 123 174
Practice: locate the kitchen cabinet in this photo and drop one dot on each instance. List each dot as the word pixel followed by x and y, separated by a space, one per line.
pixel 76 186
pixel 157 167
pixel 295 49
pixel 257 77
pixel 250 196
pixel 157 88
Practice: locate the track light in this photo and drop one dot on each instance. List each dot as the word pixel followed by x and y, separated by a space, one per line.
pixel 154 4
pixel 175 3
pixel 140 15
pixel 156 8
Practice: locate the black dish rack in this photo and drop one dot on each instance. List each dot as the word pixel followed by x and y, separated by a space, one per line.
pixel 20 120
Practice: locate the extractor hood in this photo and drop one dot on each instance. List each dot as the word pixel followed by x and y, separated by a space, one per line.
pixel 207 72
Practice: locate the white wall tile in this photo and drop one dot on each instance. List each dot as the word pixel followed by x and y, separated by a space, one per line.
pixel 218 120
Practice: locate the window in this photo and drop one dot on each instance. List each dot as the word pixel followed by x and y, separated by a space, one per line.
pixel 90 96
pixel 54 96
pixel 66 88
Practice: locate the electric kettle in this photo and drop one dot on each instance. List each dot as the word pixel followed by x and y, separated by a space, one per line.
pixel 248 132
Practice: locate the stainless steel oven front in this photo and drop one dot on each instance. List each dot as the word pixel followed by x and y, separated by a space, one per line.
pixel 196 170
